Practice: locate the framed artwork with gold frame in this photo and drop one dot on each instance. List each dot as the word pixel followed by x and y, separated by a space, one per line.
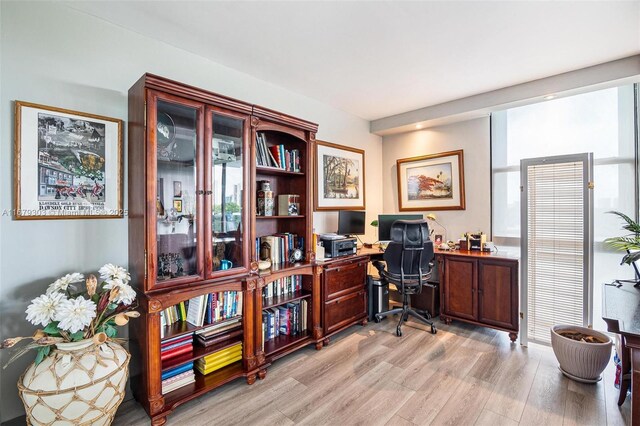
pixel 431 182
pixel 339 176
pixel 67 164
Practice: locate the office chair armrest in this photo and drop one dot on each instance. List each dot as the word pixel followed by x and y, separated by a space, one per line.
pixel 379 265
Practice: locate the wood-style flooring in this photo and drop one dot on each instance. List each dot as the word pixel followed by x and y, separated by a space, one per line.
pixel 464 375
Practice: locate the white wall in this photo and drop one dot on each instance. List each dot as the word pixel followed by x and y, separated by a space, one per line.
pixel 471 136
pixel 57 56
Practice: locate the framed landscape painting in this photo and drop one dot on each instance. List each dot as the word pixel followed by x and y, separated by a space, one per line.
pixel 431 182
pixel 68 164
pixel 339 177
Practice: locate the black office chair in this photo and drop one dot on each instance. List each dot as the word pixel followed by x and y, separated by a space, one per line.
pixel 408 257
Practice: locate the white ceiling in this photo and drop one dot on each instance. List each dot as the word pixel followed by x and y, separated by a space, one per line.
pixel 375 59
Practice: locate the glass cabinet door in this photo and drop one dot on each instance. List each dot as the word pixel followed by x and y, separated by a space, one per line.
pixel 176 130
pixel 227 207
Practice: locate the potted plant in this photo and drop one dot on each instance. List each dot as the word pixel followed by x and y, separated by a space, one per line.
pixel 630 242
pixel 80 370
pixel 582 353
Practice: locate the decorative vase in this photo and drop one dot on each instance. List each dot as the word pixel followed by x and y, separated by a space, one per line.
pixel 581 361
pixel 79 383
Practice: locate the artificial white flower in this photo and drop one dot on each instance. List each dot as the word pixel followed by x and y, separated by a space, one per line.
pixel 75 314
pixel 126 294
pixel 42 309
pixel 61 284
pixel 111 272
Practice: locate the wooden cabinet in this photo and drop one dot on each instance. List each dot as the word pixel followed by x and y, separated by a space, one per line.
pixel 193 232
pixel 460 290
pixel 480 288
pixel 498 293
pixel 344 294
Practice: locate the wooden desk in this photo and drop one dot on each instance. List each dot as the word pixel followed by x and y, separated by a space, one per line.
pixel 480 288
pixel 621 312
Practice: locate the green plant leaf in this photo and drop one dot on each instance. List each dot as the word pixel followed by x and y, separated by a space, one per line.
pixel 42 353
pixel 112 306
pixel 110 331
pixel 631 225
pixel 52 329
pixel 78 335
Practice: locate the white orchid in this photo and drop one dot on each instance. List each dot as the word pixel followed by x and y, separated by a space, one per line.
pixel 42 309
pixel 61 284
pixel 75 314
pixel 112 272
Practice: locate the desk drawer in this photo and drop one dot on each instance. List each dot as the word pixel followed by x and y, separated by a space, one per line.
pixel 343 310
pixel 344 278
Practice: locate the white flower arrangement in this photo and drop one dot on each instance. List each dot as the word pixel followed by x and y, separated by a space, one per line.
pixel 70 315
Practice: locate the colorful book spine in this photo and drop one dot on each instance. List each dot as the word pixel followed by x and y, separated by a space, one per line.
pixel 181 350
pixel 177 370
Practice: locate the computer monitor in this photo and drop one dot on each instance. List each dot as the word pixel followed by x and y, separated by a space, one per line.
pixel 386 220
pixel 350 222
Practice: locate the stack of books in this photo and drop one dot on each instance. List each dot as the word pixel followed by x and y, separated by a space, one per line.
pixel 178 377
pixel 281 245
pixel 285 286
pixel 219 332
pixel 276 155
pixel 176 346
pixel 217 360
pixel 287 320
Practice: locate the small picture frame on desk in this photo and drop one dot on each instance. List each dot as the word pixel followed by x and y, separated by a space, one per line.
pixel 437 239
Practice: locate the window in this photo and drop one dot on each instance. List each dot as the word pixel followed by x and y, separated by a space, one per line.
pixel 600 122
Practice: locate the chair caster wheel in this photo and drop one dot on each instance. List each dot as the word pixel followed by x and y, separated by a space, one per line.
pixel 398 332
pixel 433 330
pixel 376 318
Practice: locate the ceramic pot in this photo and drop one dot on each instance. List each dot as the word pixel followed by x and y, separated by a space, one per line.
pixel 581 361
pixel 80 383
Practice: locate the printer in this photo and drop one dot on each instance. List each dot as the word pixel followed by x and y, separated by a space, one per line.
pixel 338 245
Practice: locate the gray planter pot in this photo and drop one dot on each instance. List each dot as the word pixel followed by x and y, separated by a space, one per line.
pixel 580 361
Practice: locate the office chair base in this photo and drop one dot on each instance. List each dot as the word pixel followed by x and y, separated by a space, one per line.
pixel 404 312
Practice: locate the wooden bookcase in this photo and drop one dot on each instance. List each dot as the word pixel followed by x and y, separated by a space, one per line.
pixel 193 227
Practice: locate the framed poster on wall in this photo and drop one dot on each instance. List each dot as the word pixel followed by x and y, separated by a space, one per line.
pixel 68 164
pixel 339 177
pixel 431 182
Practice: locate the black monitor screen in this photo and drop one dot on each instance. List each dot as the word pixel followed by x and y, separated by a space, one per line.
pixel 386 220
pixel 350 222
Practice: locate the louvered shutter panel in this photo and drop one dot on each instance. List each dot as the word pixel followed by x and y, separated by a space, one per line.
pixel 556 234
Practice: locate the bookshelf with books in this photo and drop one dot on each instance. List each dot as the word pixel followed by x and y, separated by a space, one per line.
pixel 193 227
pixel 283 157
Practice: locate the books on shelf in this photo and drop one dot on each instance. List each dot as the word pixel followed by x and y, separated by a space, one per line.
pixel 285 286
pixel 281 245
pixel 176 346
pixel 287 320
pixel 218 338
pixel 178 381
pixel 276 155
pixel 219 359
pixel 219 332
pixel 205 309
pixel 177 370
pixel 197 310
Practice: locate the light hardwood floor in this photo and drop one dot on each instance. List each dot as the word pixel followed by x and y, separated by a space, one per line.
pixel 464 375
